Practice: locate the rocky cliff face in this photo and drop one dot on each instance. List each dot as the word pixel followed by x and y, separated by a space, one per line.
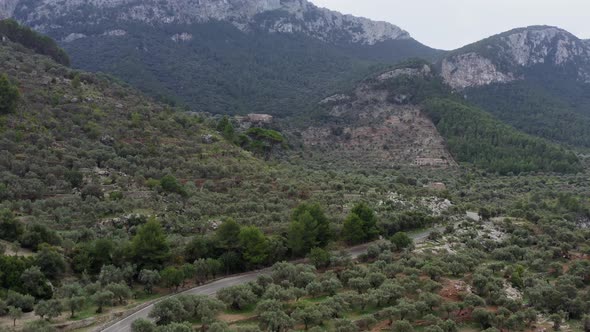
pixel 7 8
pixel 471 69
pixel 376 126
pixel 505 57
pixel 291 16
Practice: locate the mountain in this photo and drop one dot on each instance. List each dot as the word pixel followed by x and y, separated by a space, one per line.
pixel 509 56
pixel 7 8
pixel 367 126
pixel 299 16
pixel 237 56
pixel 408 116
pixel 536 79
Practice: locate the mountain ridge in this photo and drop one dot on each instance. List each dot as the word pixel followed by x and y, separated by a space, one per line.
pixel 303 16
pixel 506 56
pixel 535 79
pixel 230 57
pixel 7 8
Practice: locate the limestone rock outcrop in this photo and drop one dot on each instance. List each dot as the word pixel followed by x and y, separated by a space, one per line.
pixel 292 16
pixel 504 58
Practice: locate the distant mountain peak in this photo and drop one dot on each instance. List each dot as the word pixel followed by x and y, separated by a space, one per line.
pixel 7 8
pixel 540 44
pixel 502 58
pixel 296 16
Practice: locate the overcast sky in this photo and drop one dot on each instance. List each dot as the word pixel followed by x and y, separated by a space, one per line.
pixel 449 24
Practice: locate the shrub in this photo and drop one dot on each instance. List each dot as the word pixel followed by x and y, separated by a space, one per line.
pixel 9 95
pixel 170 184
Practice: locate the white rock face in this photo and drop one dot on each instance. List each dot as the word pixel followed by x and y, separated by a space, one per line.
pixel 519 49
pixel 115 33
pixel 7 8
pixel 304 16
pixel 74 36
pixel 335 99
pixel 182 37
pixel 322 23
pixel 424 71
pixel 529 47
pixel 471 69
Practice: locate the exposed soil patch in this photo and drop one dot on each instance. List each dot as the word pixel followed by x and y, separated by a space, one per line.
pixel 9 250
pixel 381 326
pixel 234 318
pixel 453 289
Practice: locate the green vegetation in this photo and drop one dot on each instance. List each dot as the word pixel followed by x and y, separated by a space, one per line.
pixel 496 278
pixel 309 228
pixel 9 95
pixel 149 247
pixel 478 138
pixel 226 71
pixel 39 43
pixel 171 185
pixel 401 241
pixel 117 199
pixel 550 106
pixel 550 102
pixel 361 225
pixel 261 141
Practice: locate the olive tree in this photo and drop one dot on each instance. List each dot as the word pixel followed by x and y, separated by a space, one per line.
pixel 309 316
pixel 48 309
pixel 149 278
pixel 237 297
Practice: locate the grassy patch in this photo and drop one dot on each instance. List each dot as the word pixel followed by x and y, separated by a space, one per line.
pixel 87 312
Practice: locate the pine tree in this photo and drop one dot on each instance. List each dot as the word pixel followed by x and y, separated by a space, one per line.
pixel 150 246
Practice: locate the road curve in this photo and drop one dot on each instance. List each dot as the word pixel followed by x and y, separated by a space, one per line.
pixel 124 325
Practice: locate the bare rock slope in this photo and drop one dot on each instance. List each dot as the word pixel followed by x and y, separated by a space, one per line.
pixel 7 8
pixel 373 127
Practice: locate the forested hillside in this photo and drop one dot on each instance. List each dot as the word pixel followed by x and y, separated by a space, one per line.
pixel 230 57
pixel 221 69
pixel 224 70
pixel 41 44
pixel 548 104
pixel 471 135
pixel 533 78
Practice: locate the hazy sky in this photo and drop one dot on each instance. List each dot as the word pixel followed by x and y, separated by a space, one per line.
pixel 449 24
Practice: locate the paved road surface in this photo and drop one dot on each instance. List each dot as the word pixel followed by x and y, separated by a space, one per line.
pixel 124 325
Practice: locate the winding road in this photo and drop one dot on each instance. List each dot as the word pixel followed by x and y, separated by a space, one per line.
pixel 124 325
